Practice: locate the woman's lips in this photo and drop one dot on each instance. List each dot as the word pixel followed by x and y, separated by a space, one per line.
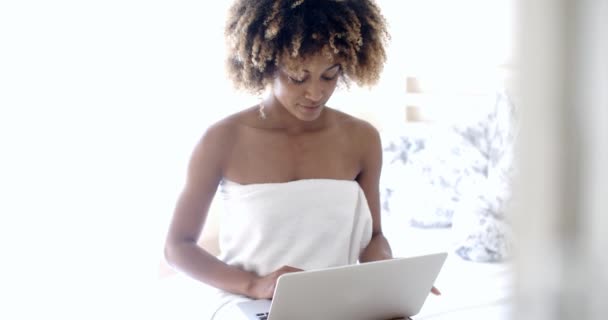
pixel 311 107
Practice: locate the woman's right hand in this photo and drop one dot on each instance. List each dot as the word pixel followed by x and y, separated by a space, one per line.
pixel 263 287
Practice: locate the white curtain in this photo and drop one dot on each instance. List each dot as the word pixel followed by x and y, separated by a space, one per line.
pixel 561 192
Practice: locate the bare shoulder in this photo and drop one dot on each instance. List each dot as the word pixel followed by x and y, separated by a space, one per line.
pixel 217 141
pixel 225 131
pixel 217 134
pixel 356 128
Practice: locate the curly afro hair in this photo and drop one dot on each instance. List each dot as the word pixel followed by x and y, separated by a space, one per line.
pixel 261 34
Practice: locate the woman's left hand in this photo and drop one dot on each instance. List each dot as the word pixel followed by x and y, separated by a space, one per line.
pixel 435 291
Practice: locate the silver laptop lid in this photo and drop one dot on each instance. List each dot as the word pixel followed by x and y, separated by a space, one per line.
pixel 369 291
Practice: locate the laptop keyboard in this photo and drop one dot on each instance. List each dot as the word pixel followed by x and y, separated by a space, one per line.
pixel 262 316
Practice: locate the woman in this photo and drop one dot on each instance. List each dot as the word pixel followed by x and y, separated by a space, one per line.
pixel 290 151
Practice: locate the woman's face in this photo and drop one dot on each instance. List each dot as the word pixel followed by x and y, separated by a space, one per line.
pixel 304 91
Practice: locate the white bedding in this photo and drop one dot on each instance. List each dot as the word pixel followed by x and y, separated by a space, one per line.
pixel 469 290
pixel 181 298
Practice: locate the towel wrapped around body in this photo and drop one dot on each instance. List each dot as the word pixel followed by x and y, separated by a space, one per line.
pixel 308 224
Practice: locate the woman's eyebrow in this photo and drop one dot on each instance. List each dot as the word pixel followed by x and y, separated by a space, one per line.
pixel 335 65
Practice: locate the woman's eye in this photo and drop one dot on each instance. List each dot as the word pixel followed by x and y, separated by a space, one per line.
pixel 295 80
pixel 330 76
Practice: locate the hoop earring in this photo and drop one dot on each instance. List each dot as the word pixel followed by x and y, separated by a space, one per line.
pixel 261 111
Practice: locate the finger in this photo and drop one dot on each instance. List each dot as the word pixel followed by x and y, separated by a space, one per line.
pixel 284 270
pixel 291 269
pixel 435 291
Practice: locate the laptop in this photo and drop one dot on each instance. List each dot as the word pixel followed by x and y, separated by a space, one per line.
pixel 387 289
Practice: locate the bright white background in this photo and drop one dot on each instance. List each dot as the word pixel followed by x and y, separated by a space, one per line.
pixel 101 102
pixel 100 105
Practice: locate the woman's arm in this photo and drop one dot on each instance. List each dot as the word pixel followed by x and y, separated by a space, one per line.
pixel 369 180
pixel 181 249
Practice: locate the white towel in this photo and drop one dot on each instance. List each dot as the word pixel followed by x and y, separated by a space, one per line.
pixel 307 224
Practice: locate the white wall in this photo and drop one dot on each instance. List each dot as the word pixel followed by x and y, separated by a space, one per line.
pixel 100 105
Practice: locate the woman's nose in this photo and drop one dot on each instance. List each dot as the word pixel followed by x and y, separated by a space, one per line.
pixel 315 92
